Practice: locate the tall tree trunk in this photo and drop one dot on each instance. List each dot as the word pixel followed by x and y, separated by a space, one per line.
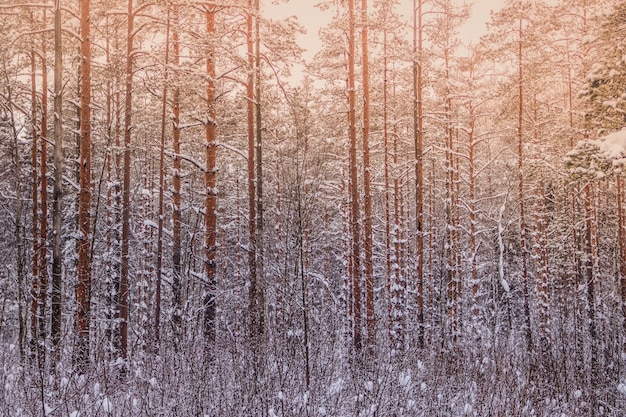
pixel 472 215
pixel 57 195
pixel 590 281
pixel 367 199
pixel 210 181
pixel 433 292
pixel 117 221
pixel 303 280
pixel 260 268
pixel 355 262
pixel 252 252
pixel 161 210
pixel 387 190
pixel 520 174
pixel 116 239
pixel 621 241
pixel 450 253
pixel 456 241
pixel 128 107
pixel 543 273
pixel 397 292
pixel 34 339
pixel 83 288
pixel 43 178
pixel 418 136
pixel 109 269
pixel 176 211
pixel 449 247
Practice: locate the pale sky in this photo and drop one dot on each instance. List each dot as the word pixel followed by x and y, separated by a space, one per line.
pixel 313 19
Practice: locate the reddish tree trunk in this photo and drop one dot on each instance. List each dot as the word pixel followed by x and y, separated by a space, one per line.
pixel 43 178
pixel 34 340
pixel 543 273
pixel 83 288
pixel 260 268
pixel 387 191
pixel 418 132
pixel 520 174
pixel 355 263
pixel 176 211
pixel 210 181
pixel 252 292
pixel 128 107
pixel 367 201
pixel 57 196
pixel 161 211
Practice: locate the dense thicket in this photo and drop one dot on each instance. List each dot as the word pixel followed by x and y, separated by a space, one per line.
pixel 413 225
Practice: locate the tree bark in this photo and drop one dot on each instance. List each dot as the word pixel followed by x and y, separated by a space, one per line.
pixel 43 178
pixel 590 281
pixel 83 288
pixel 621 241
pixel 387 190
pixel 520 175
pixel 176 211
pixel 57 196
pixel 252 228
pixel 210 180
pixel 418 132
pixel 367 200
pixel 543 273
pixel 260 268
pixel 355 263
pixel 161 210
pixel 472 216
pixel 397 288
pixel 128 107
pixel 34 339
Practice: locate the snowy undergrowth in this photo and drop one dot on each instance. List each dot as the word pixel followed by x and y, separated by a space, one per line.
pixel 235 380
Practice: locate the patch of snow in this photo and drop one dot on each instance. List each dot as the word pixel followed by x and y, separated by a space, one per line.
pixel 404 379
pixel 588 39
pixel 336 387
pixel 106 405
pixel 610 103
pixel 613 145
pixel 118 362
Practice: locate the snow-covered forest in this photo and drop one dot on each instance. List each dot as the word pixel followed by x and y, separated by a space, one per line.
pixel 197 221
